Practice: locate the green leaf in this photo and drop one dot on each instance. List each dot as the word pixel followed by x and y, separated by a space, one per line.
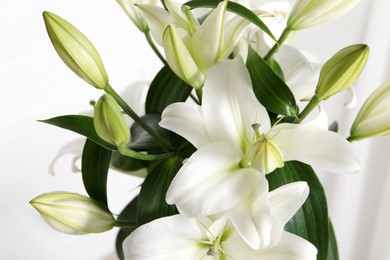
pixel 151 200
pixel 141 140
pixel 333 253
pixel 80 124
pixel 128 214
pixel 269 88
pixel 166 88
pixel 311 221
pixel 274 65
pixel 234 8
pixel 95 162
pixel 334 127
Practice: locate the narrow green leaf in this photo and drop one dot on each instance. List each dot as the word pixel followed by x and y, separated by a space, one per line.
pixel 269 88
pixel 80 124
pixel 95 162
pixel 128 214
pixel 334 127
pixel 234 8
pixel 333 253
pixel 151 200
pixel 274 65
pixel 311 221
pixel 166 88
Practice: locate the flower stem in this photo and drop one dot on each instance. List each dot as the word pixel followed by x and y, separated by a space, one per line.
pixel 314 101
pixel 130 112
pixel 124 150
pixel 280 41
pixel 151 43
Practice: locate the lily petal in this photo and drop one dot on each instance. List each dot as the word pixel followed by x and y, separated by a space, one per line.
pixel 284 202
pixel 179 241
pixel 229 85
pixel 317 147
pixel 291 247
pixel 180 59
pixel 211 181
pixel 186 120
pixel 252 219
pixel 158 18
pixel 209 34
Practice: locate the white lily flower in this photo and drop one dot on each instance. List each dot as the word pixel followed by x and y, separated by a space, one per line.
pixel 183 39
pixel 307 13
pixel 218 239
pixel 230 136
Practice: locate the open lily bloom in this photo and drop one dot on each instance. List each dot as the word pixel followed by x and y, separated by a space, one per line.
pixel 183 38
pixel 217 238
pixel 236 144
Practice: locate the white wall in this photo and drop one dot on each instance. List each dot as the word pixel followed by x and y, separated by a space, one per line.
pixel 37 85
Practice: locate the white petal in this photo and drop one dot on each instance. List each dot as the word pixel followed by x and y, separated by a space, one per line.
pixel 291 247
pixel 284 202
pixel 173 237
pixel 209 34
pixel 74 148
pixel 252 219
pixel 318 148
pixel 229 104
pixel 158 18
pixel 211 181
pixel 186 120
pixel 135 96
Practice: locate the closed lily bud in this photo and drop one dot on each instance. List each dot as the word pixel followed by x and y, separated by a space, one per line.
pixel 109 122
pixel 73 213
pixel 373 118
pixel 341 71
pixel 136 15
pixel 307 13
pixel 76 50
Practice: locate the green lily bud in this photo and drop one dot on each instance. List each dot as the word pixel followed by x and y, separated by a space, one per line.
pixel 109 122
pixel 73 213
pixel 373 118
pixel 76 50
pixel 307 13
pixel 341 71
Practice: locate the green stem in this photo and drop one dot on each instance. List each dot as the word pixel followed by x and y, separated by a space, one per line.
pixel 124 224
pixel 151 43
pixel 314 101
pixel 275 48
pixel 130 112
pixel 124 150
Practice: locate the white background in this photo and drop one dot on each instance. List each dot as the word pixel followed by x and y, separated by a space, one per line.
pixel 35 84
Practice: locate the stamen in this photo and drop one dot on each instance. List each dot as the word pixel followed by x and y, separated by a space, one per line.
pixel 211 251
pixel 256 126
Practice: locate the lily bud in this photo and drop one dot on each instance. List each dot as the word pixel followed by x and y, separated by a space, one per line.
pixel 180 59
pixel 76 50
pixel 341 71
pixel 73 213
pixel 109 122
pixel 373 118
pixel 136 15
pixel 307 13
pixel 266 156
